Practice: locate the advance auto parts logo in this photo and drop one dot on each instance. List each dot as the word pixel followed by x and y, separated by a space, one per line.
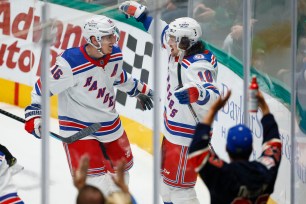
pixel 25 27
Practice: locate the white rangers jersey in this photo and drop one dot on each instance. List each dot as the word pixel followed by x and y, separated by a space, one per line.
pixel 86 94
pixel 201 68
pixel 8 191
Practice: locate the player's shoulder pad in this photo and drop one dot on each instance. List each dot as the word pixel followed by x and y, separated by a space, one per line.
pixel 74 57
pixel 116 54
pixel 206 56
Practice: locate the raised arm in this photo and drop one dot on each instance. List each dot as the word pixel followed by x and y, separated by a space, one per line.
pixel 198 150
pixel 140 13
pixel 272 146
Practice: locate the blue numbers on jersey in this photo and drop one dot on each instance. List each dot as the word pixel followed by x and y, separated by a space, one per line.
pixel 205 76
pixel 171 102
pixel 173 112
pixel 56 73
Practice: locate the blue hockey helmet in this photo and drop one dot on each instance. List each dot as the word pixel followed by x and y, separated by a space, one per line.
pixel 239 140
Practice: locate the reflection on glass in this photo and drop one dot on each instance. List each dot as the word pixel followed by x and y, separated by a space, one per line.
pixel 173 9
pixel 102 2
pixel 217 18
pixel 301 83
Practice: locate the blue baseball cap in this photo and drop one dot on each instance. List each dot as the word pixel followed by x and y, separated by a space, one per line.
pixel 239 139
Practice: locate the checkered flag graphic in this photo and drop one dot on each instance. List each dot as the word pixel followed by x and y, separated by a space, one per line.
pixel 137 65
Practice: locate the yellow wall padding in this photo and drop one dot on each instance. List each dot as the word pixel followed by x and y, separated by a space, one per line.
pixel 7 90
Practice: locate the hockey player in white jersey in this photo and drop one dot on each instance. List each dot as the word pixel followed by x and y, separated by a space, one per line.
pixel 191 89
pixel 8 191
pixel 84 79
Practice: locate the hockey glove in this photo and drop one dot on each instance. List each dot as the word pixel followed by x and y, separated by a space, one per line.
pixel 141 88
pixel 189 93
pixel 132 8
pixel 143 93
pixel 33 119
pixel 145 101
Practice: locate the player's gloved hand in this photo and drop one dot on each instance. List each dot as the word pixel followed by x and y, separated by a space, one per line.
pixel 133 8
pixel 143 93
pixel 189 93
pixel 145 101
pixel 33 119
pixel 144 96
pixel 141 88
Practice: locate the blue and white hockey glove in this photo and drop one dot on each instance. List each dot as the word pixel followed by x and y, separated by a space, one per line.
pixel 141 88
pixel 132 8
pixel 190 93
pixel 143 94
pixel 33 119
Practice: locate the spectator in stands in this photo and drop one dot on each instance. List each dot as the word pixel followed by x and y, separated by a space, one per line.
pixel 232 44
pixel 90 194
pixel 240 180
pixel 216 18
pixel 301 18
pixel 174 9
pixel 258 64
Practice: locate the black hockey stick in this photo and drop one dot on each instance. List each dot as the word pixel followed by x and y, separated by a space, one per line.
pixel 180 85
pixel 79 135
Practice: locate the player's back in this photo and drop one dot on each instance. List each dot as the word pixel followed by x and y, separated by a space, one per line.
pixel 241 181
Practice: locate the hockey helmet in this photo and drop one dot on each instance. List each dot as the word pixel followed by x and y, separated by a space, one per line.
pixel 184 29
pixel 239 140
pixel 99 26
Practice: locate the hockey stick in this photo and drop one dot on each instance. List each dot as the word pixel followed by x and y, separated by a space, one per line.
pixel 180 85
pixel 79 135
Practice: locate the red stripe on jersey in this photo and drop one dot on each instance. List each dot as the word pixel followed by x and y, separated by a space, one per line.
pixel 116 55
pixel 39 83
pixel 81 67
pixel 121 78
pixel 110 127
pixel 11 200
pixel 213 60
pixel 177 128
pixel 71 124
pixel 186 62
pixel 144 88
pixel 105 58
pixel 96 171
